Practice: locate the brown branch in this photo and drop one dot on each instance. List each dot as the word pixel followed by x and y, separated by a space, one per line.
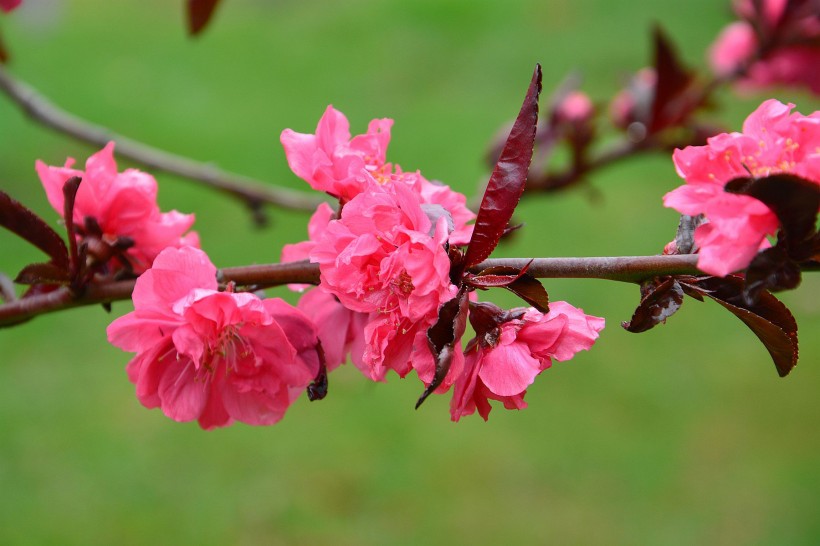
pixel 253 193
pixel 625 269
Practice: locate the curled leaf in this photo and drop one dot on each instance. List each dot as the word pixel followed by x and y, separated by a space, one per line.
pixel 443 336
pixel 657 304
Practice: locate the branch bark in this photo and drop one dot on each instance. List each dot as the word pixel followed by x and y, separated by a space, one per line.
pixel 624 268
pixel 253 193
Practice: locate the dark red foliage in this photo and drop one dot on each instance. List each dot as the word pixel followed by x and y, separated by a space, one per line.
pixel 767 317
pixel 200 13
pixel 19 220
pixel 443 336
pixel 525 286
pixel 659 302
pixel 508 179
pixel 673 100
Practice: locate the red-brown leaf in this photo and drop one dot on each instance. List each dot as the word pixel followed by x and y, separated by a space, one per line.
pixel 19 220
pixel 670 104
pixel 508 179
pixel 660 303
pixel 767 317
pixel 200 13
pixel 443 336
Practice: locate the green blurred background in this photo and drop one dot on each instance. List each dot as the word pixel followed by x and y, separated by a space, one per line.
pixel 683 435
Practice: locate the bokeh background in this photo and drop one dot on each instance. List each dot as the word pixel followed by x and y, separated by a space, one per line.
pixel 682 435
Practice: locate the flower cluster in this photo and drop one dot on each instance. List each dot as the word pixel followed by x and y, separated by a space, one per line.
pixel 774 140
pixel 775 42
pixel 385 271
pixel 116 213
pixel 385 260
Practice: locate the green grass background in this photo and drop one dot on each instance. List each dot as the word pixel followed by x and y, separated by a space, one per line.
pixel 683 435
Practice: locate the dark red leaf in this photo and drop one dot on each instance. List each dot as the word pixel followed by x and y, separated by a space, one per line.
pixel 20 220
pixel 530 289
pixel 199 14
pixel 508 179
pixel 658 304
pixel 486 319
pixel 767 317
pixel 489 281
pixel 525 286
pixel 794 200
pixel 42 273
pixel 443 336
pixel 671 104
pixel 771 269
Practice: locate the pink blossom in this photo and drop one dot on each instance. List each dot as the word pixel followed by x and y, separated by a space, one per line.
pixel 331 161
pixel 773 141
pixel 213 356
pixel 8 5
pixel 502 365
pixel 124 205
pixel 385 257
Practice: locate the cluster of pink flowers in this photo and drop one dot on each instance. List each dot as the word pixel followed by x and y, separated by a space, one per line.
pixel 774 140
pixel 779 43
pixel 384 259
pixel 385 269
pixel 113 207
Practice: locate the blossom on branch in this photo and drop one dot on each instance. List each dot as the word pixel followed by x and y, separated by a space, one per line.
pixel 385 257
pixel 213 356
pixel 504 360
pixel 333 162
pixel 773 141
pixel 118 209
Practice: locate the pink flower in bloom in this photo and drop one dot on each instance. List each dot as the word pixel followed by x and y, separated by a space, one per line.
pixel 331 161
pixel 122 204
pixel 8 5
pixel 773 141
pixel 213 356
pixel 786 63
pixel 500 366
pixel 384 256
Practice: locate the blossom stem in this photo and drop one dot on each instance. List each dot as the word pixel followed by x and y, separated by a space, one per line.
pixel 622 268
pixel 253 193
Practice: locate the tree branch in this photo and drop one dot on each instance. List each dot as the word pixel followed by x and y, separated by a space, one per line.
pixel 624 268
pixel 253 193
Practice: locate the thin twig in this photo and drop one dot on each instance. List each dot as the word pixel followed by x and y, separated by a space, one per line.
pixel 624 268
pixel 253 193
